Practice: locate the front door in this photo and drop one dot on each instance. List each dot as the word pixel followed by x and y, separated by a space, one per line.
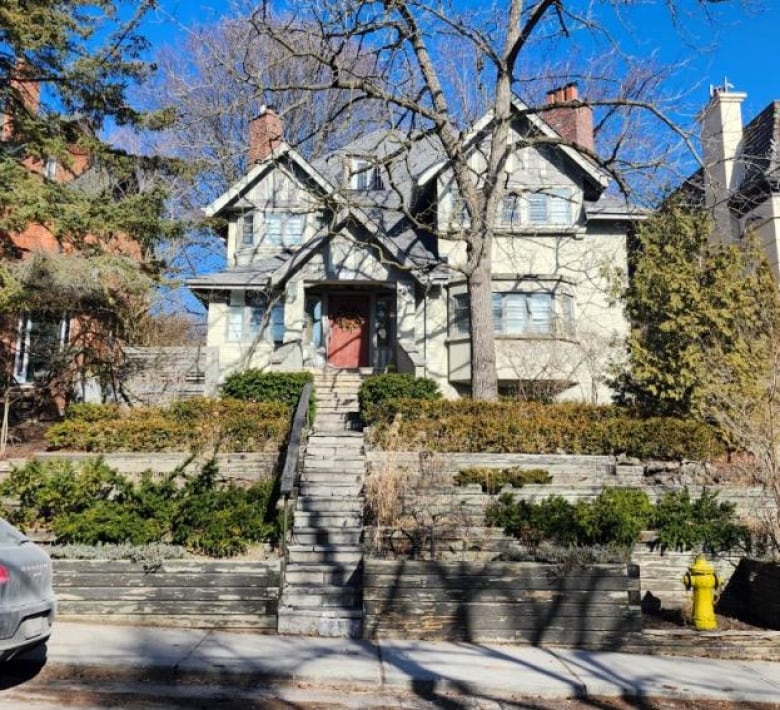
pixel 349 330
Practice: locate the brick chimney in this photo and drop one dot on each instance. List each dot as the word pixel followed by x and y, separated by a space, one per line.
pixel 265 134
pixel 572 123
pixel 29 92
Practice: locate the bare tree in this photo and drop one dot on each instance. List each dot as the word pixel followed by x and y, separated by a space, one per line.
pixel 434 66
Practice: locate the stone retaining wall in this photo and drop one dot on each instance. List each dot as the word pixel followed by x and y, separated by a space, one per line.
pixel 573 477
pixel 238 467
pixel 517 602
pixel 178 593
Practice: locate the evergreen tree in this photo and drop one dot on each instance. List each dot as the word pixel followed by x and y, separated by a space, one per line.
pixel 702 316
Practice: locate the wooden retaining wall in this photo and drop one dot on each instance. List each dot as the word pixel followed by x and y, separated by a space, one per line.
pixel 752 593
pixel 518 602
pixel 175 593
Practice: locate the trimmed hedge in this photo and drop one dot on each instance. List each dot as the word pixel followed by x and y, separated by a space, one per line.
pixel 257 386
pixel 469 426
pixel 377 389
pixel 226 425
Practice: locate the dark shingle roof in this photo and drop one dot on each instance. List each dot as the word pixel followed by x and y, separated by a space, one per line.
pixel 760 145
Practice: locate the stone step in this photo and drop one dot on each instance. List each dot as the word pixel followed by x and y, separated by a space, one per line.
pixel 339 398
pixel 333 554
pixel 348 453
pixel 329 489
pixel 312 574
pixel 330 521
pixel 334 623
pixel 342 439
pixel 324 536
pixel 335 465
pixel 316 475
pixel 314 597
pixel 352 505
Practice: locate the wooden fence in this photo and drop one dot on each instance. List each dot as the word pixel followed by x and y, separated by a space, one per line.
pixel 183 593
pixel 590 607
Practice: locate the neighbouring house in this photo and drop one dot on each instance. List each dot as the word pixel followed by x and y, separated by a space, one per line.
pixel 740 178
pixel 33 340
pixel 352 261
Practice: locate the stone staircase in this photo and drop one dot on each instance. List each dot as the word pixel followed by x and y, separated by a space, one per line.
pixel 323 594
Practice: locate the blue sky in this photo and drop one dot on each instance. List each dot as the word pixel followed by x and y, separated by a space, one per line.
pixel 740 43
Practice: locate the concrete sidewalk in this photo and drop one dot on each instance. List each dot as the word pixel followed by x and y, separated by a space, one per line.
pixel 491 671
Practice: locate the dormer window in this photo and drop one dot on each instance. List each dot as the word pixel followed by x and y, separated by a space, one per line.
pixel 248 229
pixel 364 176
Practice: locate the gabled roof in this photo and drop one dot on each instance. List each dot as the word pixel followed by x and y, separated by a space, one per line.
pixel 595 174
pixel 760 157
pixel 760 147
pixel 235 191
pixel 405 248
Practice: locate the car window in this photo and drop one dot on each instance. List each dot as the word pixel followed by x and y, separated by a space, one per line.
pixel 9 535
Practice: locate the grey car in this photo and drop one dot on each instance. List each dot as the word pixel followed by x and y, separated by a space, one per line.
pixel 27 603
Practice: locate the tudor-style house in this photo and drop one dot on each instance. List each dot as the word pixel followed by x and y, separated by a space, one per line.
pixel 351 261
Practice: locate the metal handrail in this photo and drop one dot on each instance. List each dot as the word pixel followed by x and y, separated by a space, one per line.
pixel 292 460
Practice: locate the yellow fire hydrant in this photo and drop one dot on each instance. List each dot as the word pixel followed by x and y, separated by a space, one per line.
pixel 701 577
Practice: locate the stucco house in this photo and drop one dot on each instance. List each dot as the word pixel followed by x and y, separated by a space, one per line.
pixel 740 178
pixel 352 261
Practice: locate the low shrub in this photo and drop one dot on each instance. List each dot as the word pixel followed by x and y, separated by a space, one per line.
pixel 529 427
pixel 616 518
pixel 493 480
pixel 95 505
pixel 377 389
pixel 198 424
pixel 257 386
pixel 684 523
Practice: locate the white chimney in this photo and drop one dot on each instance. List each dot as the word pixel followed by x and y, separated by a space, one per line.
pixel 721 138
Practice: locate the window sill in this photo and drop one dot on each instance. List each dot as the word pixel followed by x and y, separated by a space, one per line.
pixel 500 337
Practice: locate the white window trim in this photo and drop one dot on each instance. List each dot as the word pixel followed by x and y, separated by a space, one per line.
pixel 244 321
pixel 24 342
pixel 284 238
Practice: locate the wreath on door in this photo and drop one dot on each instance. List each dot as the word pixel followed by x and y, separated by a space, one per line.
pixel 350 320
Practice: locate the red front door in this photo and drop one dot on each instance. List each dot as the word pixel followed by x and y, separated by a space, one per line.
pixel 349 330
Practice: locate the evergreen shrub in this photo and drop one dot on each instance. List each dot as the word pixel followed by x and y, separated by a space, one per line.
pixel 226 425
pixel 257 386
pixel 95 505
pixel 493 480
pixel 616 518
pixel 377 389
pixel 471 426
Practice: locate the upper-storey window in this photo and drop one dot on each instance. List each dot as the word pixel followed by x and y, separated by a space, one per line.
pixel 248 229
pixel 364 175
pixel 284 229
pixel 549 207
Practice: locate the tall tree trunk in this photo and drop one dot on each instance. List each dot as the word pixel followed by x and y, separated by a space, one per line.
pixel 484 383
